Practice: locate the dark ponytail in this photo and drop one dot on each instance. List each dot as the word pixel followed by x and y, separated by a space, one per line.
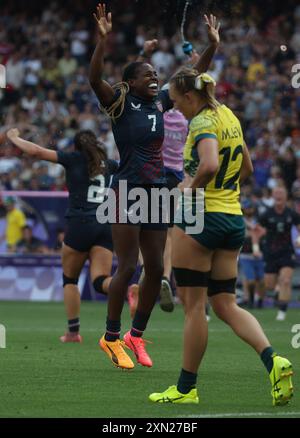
pixel 87 143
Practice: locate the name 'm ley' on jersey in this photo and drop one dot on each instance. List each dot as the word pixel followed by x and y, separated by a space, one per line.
pixel 222 192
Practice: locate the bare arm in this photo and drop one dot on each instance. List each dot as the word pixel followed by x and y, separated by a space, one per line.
pixel 206 57
pixel 209 162
pixel 30 148
pixel 102 89
pixel 148 49
pixel 247 166
pixel 256 232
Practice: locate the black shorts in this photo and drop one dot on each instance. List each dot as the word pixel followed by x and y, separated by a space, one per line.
pixel 151 205
pixel 82 233
pixel 172 183
pixel 274 264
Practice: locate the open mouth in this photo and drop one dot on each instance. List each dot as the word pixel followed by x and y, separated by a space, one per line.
pixel 153 86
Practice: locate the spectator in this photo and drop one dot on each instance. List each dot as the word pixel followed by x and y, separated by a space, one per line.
pixel 47 55
pixel 15 221
pixel 60 235
pixel 29 244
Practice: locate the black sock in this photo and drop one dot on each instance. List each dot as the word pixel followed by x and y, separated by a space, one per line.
pixel 267 358
pixel 73 325
pixel 282 305
pixel 251 296
pixel 113 329
pixel 186 381
pixel 260 303
pixel 139 324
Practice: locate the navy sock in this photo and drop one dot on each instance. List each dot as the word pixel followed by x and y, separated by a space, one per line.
pixel 267 358
pixel 113 329
pixel 282 305
pixel 186 381
pixel 139 324
pixel 73 325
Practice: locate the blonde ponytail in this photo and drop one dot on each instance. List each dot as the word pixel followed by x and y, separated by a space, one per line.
pixel 116 109
pixel 188 79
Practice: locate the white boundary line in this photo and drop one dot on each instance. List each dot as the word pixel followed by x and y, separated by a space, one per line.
pixel 244 414
pixel 149 330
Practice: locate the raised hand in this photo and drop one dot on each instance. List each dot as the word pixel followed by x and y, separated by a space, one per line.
pixel 104 22
pixel 12 133
pixel 150 46
pixel 212 28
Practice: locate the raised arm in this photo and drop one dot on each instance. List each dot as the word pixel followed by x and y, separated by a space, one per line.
pixel 102 89
pixel 148 49
pixel 30 148
pixel 206 57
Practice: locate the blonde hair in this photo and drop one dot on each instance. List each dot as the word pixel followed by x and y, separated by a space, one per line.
pixel 188 79
pixel 116 108
pixel 130 72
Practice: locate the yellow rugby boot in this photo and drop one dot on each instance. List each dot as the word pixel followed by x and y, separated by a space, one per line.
pixel 172 395
pixel 281 380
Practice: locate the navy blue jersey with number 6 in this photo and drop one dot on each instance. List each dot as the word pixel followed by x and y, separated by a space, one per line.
pixel 139 134
pixel 85 193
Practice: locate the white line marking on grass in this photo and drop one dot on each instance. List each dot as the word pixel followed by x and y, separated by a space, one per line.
pixel 243 414
pixel 154 330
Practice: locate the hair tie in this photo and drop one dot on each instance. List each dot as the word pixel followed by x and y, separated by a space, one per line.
pixel 203 78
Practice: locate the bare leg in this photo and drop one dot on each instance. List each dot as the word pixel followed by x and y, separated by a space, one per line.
pixel 126 245
pixel 224 304
pixel 195 327
pixel 186 253
pixel 167 255
pixel 100 264
pixel 72 262
pixel 285 284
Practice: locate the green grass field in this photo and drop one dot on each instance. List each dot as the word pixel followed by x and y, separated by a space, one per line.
pixel 40 377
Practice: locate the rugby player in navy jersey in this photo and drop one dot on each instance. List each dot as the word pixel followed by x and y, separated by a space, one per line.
pixel 136 108
pixel 279 252
pixel 88 174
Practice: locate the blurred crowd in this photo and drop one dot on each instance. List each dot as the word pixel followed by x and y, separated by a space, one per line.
pixel 46 53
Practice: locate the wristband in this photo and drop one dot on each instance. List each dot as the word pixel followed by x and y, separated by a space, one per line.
pixel 255 247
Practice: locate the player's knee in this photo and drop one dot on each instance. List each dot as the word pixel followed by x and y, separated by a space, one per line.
pixel 191 278
pixel 68 280
pixel 285 282
pixel 222 308
pixel 195 305
pixel 98 284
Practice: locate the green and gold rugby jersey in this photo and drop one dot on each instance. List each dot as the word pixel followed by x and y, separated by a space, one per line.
pixel 222 193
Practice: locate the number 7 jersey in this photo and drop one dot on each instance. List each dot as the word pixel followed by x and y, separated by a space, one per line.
pixel 222 192
pixel 139 134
